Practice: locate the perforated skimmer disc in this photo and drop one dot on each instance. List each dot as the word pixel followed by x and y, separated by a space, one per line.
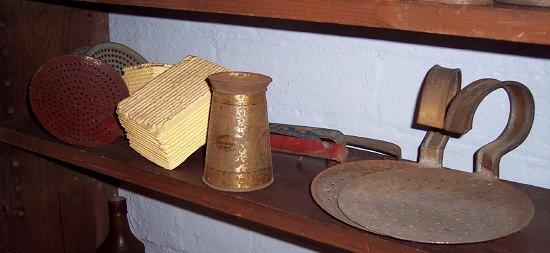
pixel 326 186
pixel 435 205
pixel 75 97
pixel 117 55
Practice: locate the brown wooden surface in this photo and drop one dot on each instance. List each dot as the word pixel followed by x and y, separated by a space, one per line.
pixel 34 32
pixel 501 22
pixel 49 208
pixel 45 206
pixel 286 205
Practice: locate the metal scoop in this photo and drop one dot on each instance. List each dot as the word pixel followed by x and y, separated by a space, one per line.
pixel 429 203
pixel 439 83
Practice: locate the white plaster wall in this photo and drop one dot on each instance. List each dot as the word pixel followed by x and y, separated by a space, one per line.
pixel 360 86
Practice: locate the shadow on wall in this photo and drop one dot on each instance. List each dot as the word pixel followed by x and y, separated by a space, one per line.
pixel 448 41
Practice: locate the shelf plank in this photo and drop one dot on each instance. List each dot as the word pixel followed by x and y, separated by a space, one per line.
pixel 499 22
pixel 271 206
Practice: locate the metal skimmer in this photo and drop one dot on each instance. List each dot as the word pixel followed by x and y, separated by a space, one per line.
pixel 439 83
pixel 437 205
pixel 117 55
pixel 75 96
pixel 326 186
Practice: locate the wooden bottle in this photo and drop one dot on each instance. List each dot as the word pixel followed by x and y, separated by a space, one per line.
pixel 120 238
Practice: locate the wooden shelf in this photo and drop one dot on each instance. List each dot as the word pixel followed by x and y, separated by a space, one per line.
pixel 499 22
pixel 271 206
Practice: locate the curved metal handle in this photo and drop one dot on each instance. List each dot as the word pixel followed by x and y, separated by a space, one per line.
pixel 438 90
pixel 381 146
pixel 317 133
pixel 460 116
pixel 432 148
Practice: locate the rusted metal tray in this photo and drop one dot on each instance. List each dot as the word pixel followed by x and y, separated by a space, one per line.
pixel 433 204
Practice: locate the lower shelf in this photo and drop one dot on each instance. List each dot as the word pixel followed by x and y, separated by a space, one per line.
pixel 286 205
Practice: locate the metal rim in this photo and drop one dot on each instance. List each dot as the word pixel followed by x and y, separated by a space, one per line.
pixel 117 55
pixel 326 186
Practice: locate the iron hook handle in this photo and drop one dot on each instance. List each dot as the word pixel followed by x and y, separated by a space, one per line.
pixel 461 112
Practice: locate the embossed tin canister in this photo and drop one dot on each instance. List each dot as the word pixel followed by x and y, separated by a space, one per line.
pixel 238 153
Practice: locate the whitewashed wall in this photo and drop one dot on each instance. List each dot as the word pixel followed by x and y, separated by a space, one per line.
pixel 361 86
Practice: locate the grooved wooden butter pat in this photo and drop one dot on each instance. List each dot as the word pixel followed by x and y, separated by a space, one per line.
pixel 138 76
pixel 167 118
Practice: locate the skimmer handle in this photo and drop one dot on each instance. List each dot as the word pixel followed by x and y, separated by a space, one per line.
pixel 460 116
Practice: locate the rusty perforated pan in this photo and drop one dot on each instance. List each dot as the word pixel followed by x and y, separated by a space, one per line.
pixel 433 204
pixel 75 96
pixel 117 55
pixel 326 186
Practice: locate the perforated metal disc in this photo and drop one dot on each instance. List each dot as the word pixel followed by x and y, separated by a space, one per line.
pixel 75 96
pixel 117 55
pixel 326 186
pixel 435 205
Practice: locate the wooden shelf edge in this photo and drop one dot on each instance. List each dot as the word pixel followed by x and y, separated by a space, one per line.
pixel 269 207
pixel 500 22
pixel 227 203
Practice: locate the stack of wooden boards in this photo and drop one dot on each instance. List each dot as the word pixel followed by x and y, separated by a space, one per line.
pixel 166 120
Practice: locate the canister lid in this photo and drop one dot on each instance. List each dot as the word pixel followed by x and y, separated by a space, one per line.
pixel 239 83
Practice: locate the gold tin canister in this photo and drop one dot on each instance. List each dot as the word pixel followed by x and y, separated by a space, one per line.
pixel 238 152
